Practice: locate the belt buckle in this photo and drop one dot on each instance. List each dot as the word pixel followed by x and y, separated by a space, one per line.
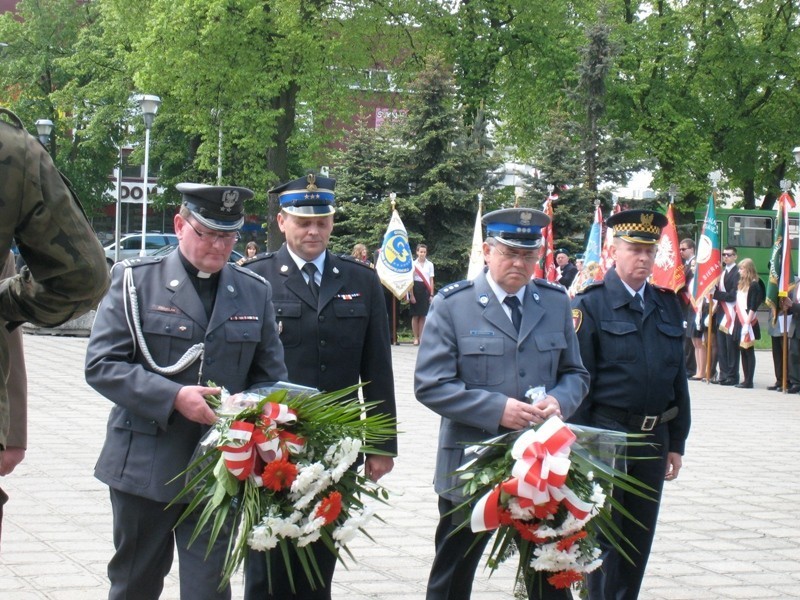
pixel 649 423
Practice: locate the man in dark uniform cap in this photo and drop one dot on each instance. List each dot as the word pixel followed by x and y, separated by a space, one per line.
pixel 335 333
pixel 169 325
pixel 631 340
pixel 566 270
pixel 487 342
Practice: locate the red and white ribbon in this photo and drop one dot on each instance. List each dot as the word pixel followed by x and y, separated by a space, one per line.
pixel 246 442
pixel 538 477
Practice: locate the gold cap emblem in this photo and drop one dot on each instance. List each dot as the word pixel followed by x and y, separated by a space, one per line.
pixel 312 182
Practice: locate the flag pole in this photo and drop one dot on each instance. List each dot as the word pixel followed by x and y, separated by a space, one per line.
pixel 714 177
pixel 395 341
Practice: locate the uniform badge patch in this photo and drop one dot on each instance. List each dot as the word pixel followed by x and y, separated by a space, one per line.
pixel 577 319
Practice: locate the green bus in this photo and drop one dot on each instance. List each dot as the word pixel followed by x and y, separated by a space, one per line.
pixel 752 233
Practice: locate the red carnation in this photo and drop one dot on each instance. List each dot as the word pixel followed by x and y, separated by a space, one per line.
pixel 330 508
pixel 279 474
pixel 564 579
pixel 567 542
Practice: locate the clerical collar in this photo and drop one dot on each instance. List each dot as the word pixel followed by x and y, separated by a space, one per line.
pixel 192 270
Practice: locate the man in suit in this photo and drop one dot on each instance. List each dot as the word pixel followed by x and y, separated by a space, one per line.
pixel 686 249
pixel 564 268
pixel 631 340
pixel 486 344
pixel 168 326
pixel 725 296
pixel 333 325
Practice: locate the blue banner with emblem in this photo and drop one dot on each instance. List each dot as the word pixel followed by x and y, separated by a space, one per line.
pixel 395 262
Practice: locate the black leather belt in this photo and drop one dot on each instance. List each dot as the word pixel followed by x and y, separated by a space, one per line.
pixel 640 422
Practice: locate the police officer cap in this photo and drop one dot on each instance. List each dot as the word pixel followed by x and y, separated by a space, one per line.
pixel 217 207
pixel 309 196
pixel 638 226
pixel 516 227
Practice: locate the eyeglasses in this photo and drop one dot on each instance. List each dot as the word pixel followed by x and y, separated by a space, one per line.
pixel 528 258
pixel 211 237
pixel 728 254
pixel 684 249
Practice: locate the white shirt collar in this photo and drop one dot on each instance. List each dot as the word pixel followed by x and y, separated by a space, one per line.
pixel 319 262
pixel 501 294
pixel 632 291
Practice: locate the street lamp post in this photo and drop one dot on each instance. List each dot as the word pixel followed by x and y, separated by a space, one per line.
pixel 149 106
pixel 44 127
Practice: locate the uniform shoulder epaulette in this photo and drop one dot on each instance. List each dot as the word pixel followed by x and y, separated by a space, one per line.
pixel 550 285
pixel 141 261
pixel 262 256
pixel 662 289
pixel 590 286
pixel 246 271
pixel 458 286
pixel 354 260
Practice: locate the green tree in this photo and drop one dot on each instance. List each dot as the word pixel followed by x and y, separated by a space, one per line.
pixel 37 76
pixel 434 164
pixel 439 168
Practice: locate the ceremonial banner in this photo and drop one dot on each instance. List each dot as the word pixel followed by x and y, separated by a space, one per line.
pixel 592 253
pixel 395 260
pixel 476 261
pixel 606 261
pixel 709 257
pixel 780 262
pixel 668 269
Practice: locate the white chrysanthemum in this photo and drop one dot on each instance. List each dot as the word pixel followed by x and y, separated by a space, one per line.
pixel 262 539
pixel 306 476
pixel 310 532
pixel 341 456
pixel 348 530
pixel 598 498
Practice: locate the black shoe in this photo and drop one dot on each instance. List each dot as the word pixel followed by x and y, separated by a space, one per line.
pixel 729 382
pixel 746 386
pixel 774 388
pixel 793 389
pixel 714 380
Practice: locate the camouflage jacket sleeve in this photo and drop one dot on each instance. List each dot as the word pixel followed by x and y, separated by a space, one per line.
pixel 66 272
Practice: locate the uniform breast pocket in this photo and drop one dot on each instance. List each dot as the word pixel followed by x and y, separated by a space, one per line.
pixel 351 320
pixel 168 335
pixel 673 344
pixel 287 314
pixel 550 346
pixel 243 335
pixel 481 360
pixel 620 341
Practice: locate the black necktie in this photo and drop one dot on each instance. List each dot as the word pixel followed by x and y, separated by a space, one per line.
pixel 311 271
pixel 637 303
pixel 514 304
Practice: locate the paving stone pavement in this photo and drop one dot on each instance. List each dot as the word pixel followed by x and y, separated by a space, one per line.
pixel 728 526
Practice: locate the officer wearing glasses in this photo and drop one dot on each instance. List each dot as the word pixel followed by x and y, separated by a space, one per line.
pixel 631 340
pixel 168 326
pixel 486 343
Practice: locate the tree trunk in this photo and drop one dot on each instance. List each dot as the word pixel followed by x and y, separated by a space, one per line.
pixel 278 158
